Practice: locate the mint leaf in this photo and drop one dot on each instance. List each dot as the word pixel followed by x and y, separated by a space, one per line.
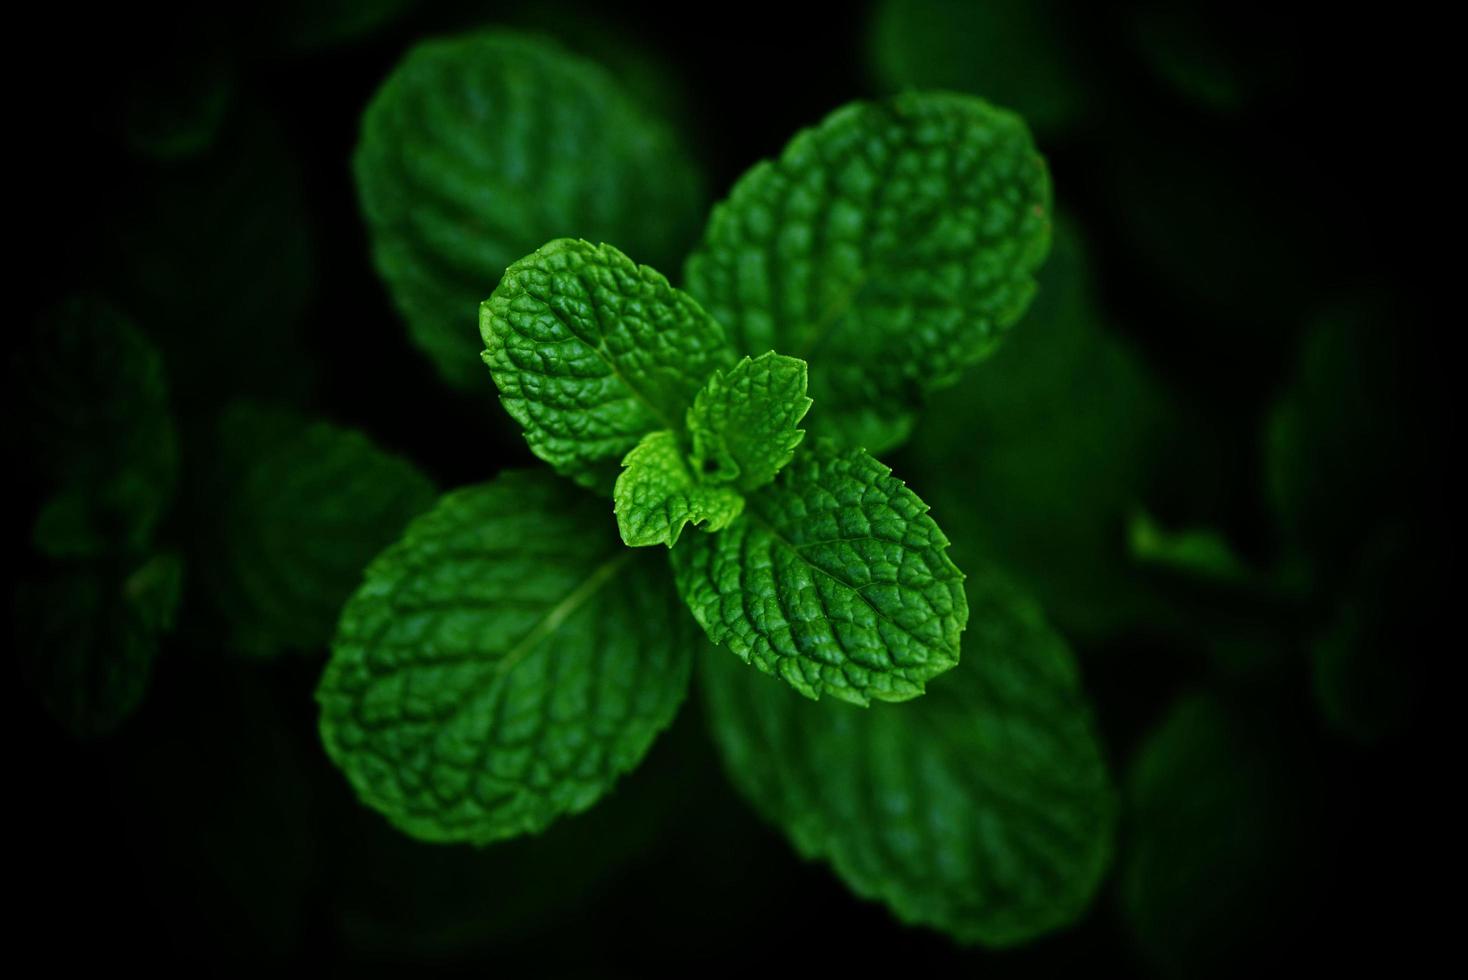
pixel 890 246
pixel 502 664
pixel 86 639
pixel 591 352
pixel 834 579
pixel 92 410
pixel 983 809
pixel 744 420
pixel 479 148
pixel 657 494
pixel 302 507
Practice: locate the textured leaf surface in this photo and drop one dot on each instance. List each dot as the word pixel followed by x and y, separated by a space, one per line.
pixel 478 149
pixel 86 639
pixel 983 809
pixel 890 247
pixel 657 494
pixel 744 420
pixel 834 578
pixel 591 352
pixel 503 664
pixel 92 413
pixel 305 506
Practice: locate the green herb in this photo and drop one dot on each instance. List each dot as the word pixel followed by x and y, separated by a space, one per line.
pixel 509 658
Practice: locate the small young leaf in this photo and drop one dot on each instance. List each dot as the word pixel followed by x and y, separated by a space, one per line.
pixel 983 809
pixel 479 148
pixel 744 420
pixel 890 246
pixel 503 664
pixel 304 506
pixel 591 352
pixel 87 640
pixel 834 578
pixel 657 494
pixel 93 416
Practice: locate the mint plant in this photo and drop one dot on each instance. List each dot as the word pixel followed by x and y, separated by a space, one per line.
pixel 524 642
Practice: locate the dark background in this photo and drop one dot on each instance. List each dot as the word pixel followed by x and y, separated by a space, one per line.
pixel 212 826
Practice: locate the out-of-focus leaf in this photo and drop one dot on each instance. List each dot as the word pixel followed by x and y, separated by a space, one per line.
pixel 301 507
pixel 1345 445
pixel 1201 553
pixel 175 109
pixel 1038 457
pixel 87 639
pixel 91 407
pixel 1218 840
pixel 1365 660
pixel 478 149
pixel 983 809
pixel 1011 52
pixel 311 25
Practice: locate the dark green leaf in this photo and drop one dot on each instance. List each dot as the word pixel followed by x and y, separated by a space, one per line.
pixel 87 639
pixel 477 149
pixel 303 506
pixel 92 405
pixel 983 809
pixel 503 664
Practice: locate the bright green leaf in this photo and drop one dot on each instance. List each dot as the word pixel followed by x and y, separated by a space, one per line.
pixel 657 494
pixel 591 352
pixel 890 246
pixel 983 809
pixel 479 148
pixel 834 578
pixel 303 506
pixel 87 640
pixel 744 420
pixel 503 664
pixel 92 414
